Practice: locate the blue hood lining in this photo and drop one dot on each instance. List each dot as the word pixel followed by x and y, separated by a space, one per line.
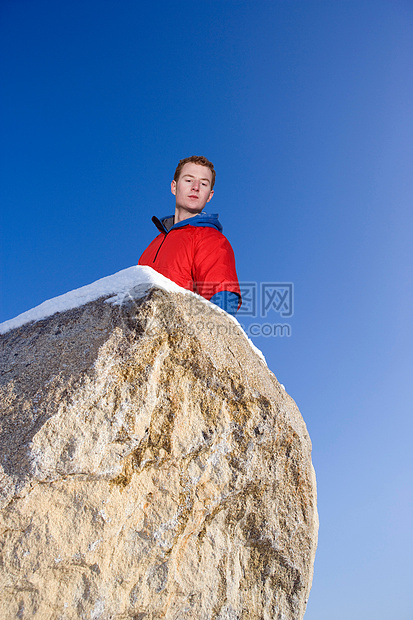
pixel 208 220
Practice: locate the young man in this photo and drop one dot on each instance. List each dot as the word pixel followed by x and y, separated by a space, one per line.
pixel 191 249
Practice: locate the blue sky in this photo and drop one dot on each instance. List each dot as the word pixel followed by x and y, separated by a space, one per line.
pixel 306 110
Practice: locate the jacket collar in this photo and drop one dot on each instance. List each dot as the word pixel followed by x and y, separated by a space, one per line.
pixel 208 220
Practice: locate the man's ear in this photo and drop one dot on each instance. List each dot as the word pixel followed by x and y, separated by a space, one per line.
pixel 211 193
pixel 173 187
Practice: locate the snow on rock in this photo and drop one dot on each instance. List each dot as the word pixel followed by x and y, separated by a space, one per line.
pixel 138 278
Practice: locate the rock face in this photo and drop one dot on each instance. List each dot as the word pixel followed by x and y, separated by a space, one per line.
pixel 152 467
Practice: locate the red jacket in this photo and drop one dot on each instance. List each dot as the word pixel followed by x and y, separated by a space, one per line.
pixel 194 254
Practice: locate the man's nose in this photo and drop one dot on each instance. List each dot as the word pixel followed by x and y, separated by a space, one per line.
pixel 195 185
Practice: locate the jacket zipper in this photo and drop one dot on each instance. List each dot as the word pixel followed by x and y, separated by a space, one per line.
pixel 157 251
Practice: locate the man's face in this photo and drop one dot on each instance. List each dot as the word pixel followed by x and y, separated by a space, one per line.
pixel 193 188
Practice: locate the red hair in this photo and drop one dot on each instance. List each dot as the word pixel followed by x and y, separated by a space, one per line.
pixel 195 159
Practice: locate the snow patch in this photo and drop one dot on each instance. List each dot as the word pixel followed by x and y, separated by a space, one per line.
pixel 139 278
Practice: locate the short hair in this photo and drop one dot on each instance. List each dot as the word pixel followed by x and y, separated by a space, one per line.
pixel 195 159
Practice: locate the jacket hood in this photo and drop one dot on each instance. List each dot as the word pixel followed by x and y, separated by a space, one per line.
pixel 209 220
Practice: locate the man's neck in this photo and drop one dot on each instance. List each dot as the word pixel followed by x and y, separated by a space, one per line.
pixel 181 214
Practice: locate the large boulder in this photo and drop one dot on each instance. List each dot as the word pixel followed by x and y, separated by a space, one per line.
pixel 152 467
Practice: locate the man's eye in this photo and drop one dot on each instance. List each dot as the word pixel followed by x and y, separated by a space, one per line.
pixel 205 184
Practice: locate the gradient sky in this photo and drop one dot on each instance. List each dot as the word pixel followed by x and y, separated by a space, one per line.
pixel 306 110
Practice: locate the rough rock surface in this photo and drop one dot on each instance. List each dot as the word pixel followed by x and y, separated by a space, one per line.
pixel 152 467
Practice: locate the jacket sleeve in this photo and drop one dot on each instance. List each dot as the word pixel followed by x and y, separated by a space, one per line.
pixel 214 266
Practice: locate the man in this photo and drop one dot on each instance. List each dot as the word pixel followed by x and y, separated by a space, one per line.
pixel 191 249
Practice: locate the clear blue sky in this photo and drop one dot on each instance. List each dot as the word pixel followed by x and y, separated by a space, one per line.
pixel 306 110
